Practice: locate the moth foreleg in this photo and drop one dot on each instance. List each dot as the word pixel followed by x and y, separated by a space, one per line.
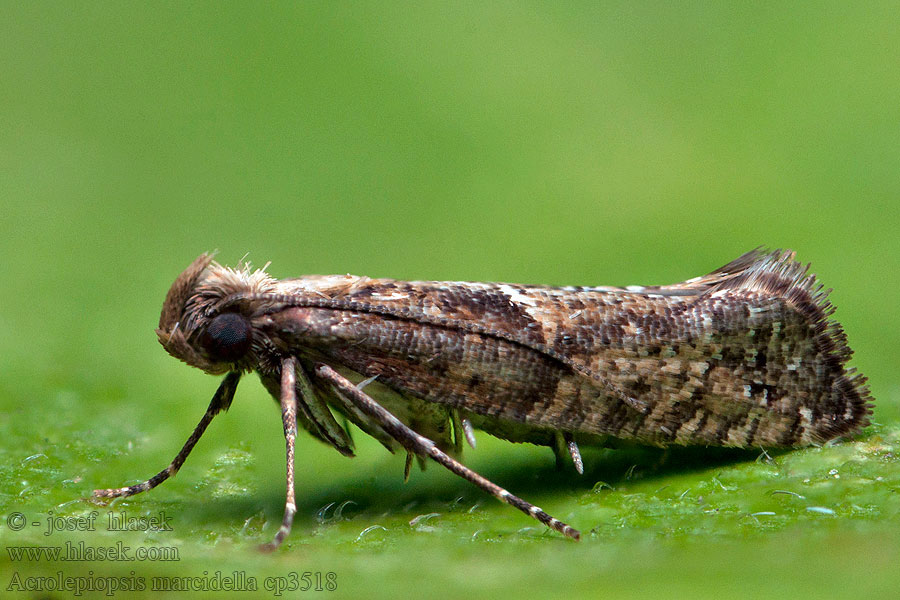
pixel 420 445
pixel 221 401
pixel 288 399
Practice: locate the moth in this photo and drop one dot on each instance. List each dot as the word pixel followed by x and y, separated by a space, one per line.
pixel 745 356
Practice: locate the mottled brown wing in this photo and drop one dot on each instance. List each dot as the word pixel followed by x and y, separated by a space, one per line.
pixel 745 355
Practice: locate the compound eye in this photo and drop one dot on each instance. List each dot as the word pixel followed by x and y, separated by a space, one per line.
pixel 227 337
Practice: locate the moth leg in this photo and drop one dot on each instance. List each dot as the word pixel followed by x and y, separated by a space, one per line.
pixel 366 381
pixel 421 445
pixel 331 395
pixel 456 425
pixel 469 431
pixel 574 452
pixel 565 446
pixel 289 419
pixel 407 467
pixel 462 430
pixel 559 451
pixel 220 401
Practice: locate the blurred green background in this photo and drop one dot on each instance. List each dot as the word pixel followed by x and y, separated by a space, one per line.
pixel 578 143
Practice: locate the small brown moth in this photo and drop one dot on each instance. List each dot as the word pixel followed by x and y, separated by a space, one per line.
pixel 745 356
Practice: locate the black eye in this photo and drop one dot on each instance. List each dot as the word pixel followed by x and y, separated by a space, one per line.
pixel 227 337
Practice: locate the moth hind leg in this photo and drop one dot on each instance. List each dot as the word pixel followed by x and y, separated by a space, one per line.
pixel 564 449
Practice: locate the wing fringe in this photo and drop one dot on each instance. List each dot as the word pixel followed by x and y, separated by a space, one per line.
pixel 776 273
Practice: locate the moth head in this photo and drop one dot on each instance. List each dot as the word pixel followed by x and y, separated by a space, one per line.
pixel 206 319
